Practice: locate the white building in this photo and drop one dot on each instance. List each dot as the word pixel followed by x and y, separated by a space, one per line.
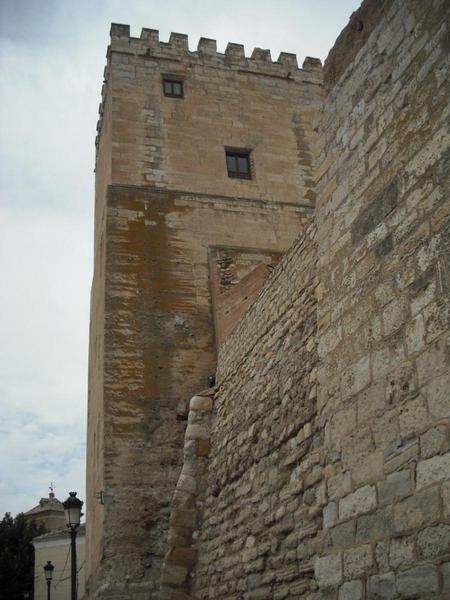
pixel 55 546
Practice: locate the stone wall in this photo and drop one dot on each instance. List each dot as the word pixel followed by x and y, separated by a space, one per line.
pixel 383 310
pixel 329 462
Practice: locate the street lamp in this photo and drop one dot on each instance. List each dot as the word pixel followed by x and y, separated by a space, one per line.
pixel 48 571
pixel 72 508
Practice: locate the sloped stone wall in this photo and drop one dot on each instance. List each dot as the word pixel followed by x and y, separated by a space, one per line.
pixel 262 507
pixel 229 306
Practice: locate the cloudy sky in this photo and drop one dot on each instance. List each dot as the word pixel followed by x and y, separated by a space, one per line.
pixel 52 55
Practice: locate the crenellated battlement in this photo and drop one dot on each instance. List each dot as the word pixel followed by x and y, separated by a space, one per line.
pixel 177 48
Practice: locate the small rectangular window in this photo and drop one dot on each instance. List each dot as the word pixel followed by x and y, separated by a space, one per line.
pixel 173 88
pixel 238 164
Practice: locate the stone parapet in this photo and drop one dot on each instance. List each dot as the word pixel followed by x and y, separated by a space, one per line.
pixel 177 48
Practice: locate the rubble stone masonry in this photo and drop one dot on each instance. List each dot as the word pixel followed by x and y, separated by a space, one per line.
pixel 323 470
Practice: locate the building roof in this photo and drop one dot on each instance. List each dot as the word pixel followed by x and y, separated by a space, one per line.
pixel 46 504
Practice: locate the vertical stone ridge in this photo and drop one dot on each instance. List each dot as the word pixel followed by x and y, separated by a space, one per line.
pixel 187 503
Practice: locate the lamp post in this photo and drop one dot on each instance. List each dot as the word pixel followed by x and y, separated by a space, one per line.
pixel 72 508
pixel 48 571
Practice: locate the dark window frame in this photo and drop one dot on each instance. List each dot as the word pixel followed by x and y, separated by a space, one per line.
pixel 171 82
pixel 233 159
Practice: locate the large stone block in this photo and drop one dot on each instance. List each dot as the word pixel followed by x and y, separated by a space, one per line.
pixel 401 552
pixel 413 417
pixel 433 469
pixel 328 570
pixel 358 561
pixel 330 514
pixel 382 587
pixel 395 314
pixel 434 541
pixel 375 211
pixel 339 485
pixel 375 526
pixel 343 535
pixel 433 441
pixel 360 501
pixel 423 579
pixel 356 377
pixel 351 590
pixel 396 485
pixel 418 510
pixel 438 396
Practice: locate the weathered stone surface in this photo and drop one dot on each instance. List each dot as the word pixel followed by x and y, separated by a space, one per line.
pixel 401 552
pixel 434 541
pixel 195 431
pixel 200 403
pixel 416 581
pixel 374 526
pixel 328 570
pixel 433 441
pixel 343 535
pixel 339 485
pixel 438 396
pixel 382 587
pixel 351 590
pixel 361 501
pixel 380 206
pixel 401 455
pixel 413 416
pixel 446 498
pixel 382 556
pixel 445 570
pixel 176 575
pixel 330 514
pixel 418 510
pixel 396 485
pixel 433 469
pixel 358 561
pixel 395 314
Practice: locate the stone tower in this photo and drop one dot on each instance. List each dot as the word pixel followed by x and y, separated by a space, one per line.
pixel 204 177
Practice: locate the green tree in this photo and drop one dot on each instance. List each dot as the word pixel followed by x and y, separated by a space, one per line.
pixel 17 556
